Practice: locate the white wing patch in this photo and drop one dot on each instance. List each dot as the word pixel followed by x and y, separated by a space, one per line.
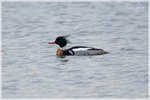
pixel 86 51
pixel 80 49
pixel 70 52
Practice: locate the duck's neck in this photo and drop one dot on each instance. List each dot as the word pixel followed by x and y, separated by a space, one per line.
pixel 63 48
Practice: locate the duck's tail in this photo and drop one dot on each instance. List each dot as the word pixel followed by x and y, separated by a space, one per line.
pixel 105 52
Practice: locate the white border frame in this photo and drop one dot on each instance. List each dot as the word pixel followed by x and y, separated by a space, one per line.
pixel 74 1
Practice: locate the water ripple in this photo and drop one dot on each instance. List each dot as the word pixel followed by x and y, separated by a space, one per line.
pixel 31 68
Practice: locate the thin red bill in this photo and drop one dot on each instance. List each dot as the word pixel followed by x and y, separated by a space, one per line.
pixel 51 43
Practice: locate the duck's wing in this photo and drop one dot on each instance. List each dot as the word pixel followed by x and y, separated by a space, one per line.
pixel 83 50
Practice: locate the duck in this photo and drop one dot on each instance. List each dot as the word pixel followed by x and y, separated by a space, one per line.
pixel 75 50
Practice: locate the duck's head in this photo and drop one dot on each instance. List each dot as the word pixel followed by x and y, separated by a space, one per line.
pixel 61 41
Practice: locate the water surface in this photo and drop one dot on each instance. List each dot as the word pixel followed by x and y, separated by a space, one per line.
pixel 30 67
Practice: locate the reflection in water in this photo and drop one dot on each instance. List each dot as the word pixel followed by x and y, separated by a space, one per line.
pixel 63 59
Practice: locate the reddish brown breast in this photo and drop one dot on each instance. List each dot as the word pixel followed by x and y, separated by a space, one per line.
pixel 59 52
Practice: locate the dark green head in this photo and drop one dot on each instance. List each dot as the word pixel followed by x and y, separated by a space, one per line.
pixel 61 41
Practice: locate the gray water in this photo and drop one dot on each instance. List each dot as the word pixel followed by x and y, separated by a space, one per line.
pixel 31 69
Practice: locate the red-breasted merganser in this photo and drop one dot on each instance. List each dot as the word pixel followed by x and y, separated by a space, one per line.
pixel 76 50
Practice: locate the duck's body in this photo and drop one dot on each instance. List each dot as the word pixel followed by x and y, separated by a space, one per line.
pixel 81 51
pixel 76 50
